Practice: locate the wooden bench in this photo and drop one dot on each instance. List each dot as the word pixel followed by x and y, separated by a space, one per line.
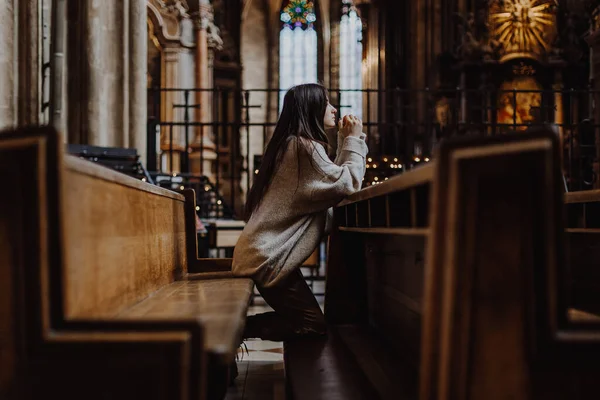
pixel 102 295
pixel 583 239
pixel 448 282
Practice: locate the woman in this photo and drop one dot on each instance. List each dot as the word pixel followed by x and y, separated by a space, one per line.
pixel 287 209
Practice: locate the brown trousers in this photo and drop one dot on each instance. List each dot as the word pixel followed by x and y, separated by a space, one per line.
pixel 297 312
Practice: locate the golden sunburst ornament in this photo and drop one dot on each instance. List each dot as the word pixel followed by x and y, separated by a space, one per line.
pixel 523 28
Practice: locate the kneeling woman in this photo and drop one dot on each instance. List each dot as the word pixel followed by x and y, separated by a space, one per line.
pixel 288 208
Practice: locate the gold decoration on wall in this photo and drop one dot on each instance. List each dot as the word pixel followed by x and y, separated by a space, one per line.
pixel 523 69
pixel 524 28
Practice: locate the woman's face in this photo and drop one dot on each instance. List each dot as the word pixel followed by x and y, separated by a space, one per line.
pixel 330 112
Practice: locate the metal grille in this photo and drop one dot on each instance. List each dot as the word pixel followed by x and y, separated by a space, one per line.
pixel 403 129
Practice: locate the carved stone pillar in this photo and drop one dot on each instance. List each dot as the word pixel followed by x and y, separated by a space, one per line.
pixel 207 40
pixel 8 54
pixel 203 73
pixel 138 49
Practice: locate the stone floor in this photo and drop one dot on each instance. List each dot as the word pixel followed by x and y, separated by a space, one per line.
pixel 260 367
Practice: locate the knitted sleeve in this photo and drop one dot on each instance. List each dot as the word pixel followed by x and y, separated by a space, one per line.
pixel 330 182
pixel 340 143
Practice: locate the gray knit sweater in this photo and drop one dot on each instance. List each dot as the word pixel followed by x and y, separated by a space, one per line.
pixel 290 221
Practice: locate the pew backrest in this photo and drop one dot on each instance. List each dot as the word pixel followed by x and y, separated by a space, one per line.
pixel 124 239
pixel 464 259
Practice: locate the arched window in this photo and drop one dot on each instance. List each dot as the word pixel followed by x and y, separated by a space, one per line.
pixel 351 50
pixel 297 46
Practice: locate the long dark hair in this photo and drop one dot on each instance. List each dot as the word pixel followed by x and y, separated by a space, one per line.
pixel 304 108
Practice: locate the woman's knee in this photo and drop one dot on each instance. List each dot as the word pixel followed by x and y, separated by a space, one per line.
pixel 315 323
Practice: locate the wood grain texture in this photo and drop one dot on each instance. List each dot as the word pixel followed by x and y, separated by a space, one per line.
pixel 124 241
pixel 221 304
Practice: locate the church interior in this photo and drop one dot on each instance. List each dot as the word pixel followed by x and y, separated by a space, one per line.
pixel 131 133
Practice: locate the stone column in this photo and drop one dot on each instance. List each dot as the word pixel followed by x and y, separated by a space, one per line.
pixel 170 136
pixel 207 40
pixel 138 49
pixel 205 17
pixel 106 60
pixel 29 77
pixel 58 69
pixel 8 54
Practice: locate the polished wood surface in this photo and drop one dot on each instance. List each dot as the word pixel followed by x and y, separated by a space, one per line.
pixel 85 253
pixel 220 304
pixel 458 274
pixel 124 238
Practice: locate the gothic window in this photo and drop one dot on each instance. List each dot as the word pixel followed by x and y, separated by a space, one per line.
pixel 297 45
pixel 351 50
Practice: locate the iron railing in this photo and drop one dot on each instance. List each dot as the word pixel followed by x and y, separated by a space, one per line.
pixel 214 144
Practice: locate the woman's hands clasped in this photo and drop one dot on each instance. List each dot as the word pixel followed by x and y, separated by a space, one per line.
pixel 350 125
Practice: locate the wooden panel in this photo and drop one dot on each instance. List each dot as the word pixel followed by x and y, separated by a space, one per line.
pixel 122 241
pixel 378 212
pixel 24 250
pixel 100 360
pixel 395 273
pixel 422 197
pixel 345 293
pixel 362 212
pixel 584 269
pixel 400 209
pixel 9 313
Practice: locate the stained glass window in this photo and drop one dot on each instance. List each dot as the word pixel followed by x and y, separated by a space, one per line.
pixel 350 60
pixel 297 46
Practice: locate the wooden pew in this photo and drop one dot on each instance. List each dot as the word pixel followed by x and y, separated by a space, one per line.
pixel 102 295
pixel 583 239
pixel 448 282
